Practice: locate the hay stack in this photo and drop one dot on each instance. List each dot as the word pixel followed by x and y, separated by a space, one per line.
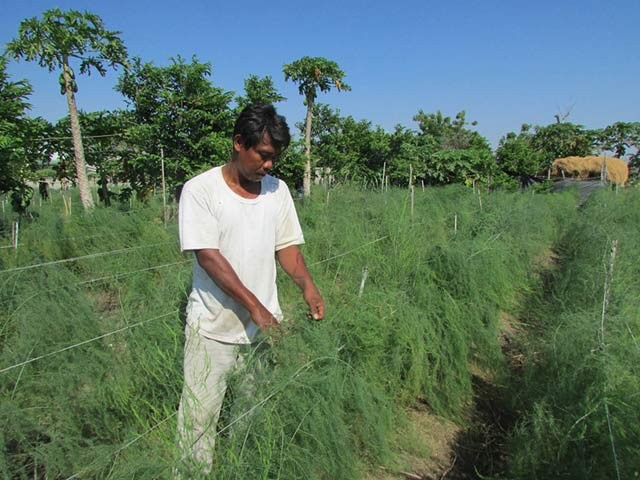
pixel 584 167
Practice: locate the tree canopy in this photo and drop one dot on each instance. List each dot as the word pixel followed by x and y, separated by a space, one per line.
pixel 178 109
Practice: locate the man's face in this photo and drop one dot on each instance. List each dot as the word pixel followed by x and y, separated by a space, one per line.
pixel 255 162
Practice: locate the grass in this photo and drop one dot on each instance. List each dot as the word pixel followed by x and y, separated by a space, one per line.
pixel 329 395
pixel 579 395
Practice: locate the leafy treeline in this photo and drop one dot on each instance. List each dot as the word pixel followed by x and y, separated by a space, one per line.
pixel 177 112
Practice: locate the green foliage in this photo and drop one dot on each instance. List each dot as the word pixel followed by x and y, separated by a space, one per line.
pixel 560 140
pixel 622 138
pixel 517 156
pixel 449 151
pixel 619 138
pixel 177 108
pixel 448 134
pixel 22 150
pixel 259 90
pixel 13 106
pixel 290 165
pixel 352 149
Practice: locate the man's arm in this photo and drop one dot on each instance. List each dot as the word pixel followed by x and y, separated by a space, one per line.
pixel 292 262
pixel 221 272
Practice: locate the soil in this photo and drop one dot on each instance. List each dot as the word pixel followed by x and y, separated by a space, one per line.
pixel 445 450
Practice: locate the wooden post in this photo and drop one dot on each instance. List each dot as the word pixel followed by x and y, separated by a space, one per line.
pixel 422 184
pixel 480 198
pixel 164 189
pixel 412 202
pixel 455 224
pixel 16 230
pixel 384 173
pixel 365 273
pixel 410 175
pixel 64 202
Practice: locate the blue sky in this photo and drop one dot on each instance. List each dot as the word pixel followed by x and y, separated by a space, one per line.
pixel 504 62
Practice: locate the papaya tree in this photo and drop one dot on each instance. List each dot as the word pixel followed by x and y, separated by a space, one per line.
pixel 56 40
pixel 313 74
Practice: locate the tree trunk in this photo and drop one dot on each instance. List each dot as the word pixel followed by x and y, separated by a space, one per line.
pixel 307 150
pixel 78 149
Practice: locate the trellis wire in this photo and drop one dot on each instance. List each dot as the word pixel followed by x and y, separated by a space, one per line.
pixel 128 444
pixel 350 251
pixel 84 342
pixel 95 280
pixel 74 259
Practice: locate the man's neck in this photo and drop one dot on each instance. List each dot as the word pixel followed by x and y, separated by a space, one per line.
pixel 240 185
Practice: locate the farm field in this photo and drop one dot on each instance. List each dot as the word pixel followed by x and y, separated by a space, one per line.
pixel 91 335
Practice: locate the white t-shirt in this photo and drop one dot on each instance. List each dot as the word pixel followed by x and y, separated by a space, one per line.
pixel 247 232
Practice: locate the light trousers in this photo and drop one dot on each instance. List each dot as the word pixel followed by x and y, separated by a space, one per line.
pixel 207 364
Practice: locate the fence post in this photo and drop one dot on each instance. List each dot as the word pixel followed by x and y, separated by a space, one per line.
pixel 16 230
pixel 455 224
pixel 365 273
pixel 164 190
pixel 412 202
pixel 410 175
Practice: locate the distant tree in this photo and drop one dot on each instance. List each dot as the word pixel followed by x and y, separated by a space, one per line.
pixel 313 74
pixel 353 149
pixel 56 39
pixel 177 108
pixel 258 90
pixel 620 138
pixel 559 140
pixel 449 133
pixel 517 156
pixel 14 162
pixel 290 165
pixel 451 151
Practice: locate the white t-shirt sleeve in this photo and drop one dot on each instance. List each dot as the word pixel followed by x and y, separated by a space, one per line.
pixel 288 230
pixel 197 222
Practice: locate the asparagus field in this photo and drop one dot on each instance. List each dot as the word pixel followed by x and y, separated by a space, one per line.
pixel 91 337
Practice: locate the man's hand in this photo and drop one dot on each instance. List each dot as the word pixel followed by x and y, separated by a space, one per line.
pixel 315 302
pixel 265 321
pixel 292 262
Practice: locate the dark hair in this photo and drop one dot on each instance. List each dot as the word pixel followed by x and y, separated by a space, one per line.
pixel 260 118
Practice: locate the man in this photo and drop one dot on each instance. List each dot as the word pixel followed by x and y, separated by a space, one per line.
pixel 236 219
